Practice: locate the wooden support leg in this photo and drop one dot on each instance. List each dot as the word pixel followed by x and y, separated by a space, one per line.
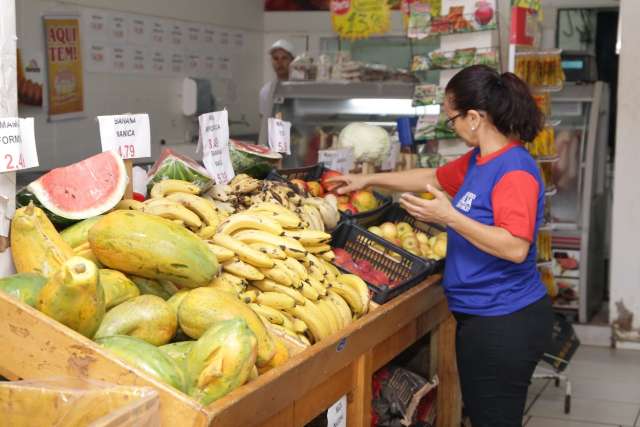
pixel 449 400
pixel 359 400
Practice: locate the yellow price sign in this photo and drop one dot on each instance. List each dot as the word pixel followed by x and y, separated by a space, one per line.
pixel 359 19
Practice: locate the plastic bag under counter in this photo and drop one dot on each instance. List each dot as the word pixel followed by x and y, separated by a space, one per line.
pixel 69 402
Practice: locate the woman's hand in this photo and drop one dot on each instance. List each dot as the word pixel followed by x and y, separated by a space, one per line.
pixel 348 183
pixel 437 210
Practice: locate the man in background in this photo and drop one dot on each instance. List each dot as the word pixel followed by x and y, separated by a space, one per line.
pixel 281 53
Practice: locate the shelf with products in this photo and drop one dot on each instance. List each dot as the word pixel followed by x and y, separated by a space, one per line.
pixel 542 70
pixel 421 28
pixel 439 60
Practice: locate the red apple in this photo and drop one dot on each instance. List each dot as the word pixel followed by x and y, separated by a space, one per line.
pixel 347 207
pixel 329 186
pixel 315 188
pixel 343 199
pixel 363 200
pixel 301 184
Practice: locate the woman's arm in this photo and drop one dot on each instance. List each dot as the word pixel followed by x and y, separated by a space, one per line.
pixel 493 240
pixel 414 180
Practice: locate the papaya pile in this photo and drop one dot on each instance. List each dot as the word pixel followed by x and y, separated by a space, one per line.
pixel 200 298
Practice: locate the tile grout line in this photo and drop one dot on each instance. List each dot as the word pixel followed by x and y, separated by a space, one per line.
pixel 537 396
pixel 635 423
pixel 575 420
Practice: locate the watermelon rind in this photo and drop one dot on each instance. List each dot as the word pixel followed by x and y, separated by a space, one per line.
pixel 171 165
pixel 245 160
pixel 41 193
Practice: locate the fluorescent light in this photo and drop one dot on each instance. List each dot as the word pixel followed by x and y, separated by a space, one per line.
pixel 390 106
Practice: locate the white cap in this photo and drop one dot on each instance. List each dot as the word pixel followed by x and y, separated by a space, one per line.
pixel 284 45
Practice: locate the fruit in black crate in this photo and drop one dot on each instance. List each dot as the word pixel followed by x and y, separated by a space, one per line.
pixel 416 242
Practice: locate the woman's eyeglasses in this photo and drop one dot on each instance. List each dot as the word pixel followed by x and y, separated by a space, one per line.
pixel 451 121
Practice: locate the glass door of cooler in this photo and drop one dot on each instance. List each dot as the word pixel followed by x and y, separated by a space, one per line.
pixel 577 209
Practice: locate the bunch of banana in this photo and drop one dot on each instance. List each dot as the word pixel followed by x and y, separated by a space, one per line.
pixel 328 213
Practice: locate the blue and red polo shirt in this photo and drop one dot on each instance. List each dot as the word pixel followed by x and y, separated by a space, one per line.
pixel 503 189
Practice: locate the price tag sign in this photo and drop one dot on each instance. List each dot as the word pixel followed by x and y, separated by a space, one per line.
pixel 389 163
pixel 340 159
pixel 337 413
pixel 279 136
pixel 127 134
pixel 17 144
pixel 214 142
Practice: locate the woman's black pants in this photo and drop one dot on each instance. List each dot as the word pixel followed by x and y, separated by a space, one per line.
pixel 496 357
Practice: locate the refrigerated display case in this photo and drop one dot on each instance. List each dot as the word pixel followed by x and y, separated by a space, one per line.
pixel 579 211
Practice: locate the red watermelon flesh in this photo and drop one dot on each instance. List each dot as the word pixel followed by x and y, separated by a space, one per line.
pixel 84 189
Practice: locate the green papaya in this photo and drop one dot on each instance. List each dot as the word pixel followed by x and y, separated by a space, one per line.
pixel 146 317
pixel 78 233
pixel 176 300
pixel 221 360
pixel 152 247
pixel 24 287
pixel 146 357
pixel 74 297
pixel 178 351
pixel 117 287
pixel 150 287
pixel 204 307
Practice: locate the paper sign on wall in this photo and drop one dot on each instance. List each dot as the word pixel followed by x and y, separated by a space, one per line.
pixel 118 28
pixel 159 30
pixel 279 135
pixel 337 413
pixel 127 134
pixel 17 144
pixel 138 30
pixel 340 159
pixel 214 141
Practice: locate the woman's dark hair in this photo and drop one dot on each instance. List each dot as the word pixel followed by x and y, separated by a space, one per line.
pixel 504 97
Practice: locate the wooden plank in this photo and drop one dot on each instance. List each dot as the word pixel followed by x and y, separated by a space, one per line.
pixel 359 402
pixel 323 396
pixel 385 351
pixel 37 347
pixel 271 392
pixel 449 402
pixel 283 418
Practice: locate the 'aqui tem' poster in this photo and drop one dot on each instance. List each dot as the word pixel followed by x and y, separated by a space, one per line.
pixel 359 19
pixel 64 67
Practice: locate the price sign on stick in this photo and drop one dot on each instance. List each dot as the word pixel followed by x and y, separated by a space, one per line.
pixel 340 159
pixel 279 135
pixel 214 141
pixel 17 144
pixel 337 413
pixel 127 134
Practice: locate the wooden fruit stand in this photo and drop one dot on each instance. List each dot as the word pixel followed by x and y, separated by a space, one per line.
pixel 37 347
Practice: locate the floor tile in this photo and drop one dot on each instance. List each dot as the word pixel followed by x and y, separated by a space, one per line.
pixel 537 385
pixel 553 422
pixel 586 410
pixel 597 389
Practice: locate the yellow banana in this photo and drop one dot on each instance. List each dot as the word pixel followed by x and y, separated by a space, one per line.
pixel 283 216
pixel 250 295
pixel 197 205
pixel 332 269
pixel 350 296
pixel 296 282
pixel 319 249
pixel 242 269
pixel 317 285
pixel 313 260
pixel 273 251
pixel 244 251
pixel 341 305
pixel 238 282
pixel 359 286
pixel 272 315
pixel 271 286
pixel 297 325
pixel 171 210
pixel 128 204
pixel 314 319
pixel 333 321
pixel 241 221
pixel 291 247
pixel 221 253
pixel 207 232
pixel 304 339
pixel 275 300
pixel 169 186
pixel 295 266
pixel 308 237
pixel 288 323
pixel 294 343
pixel 316 273
pixel 277 275
pixel 309 292
pixel 224 285
pixel 328 255
pixel 82 247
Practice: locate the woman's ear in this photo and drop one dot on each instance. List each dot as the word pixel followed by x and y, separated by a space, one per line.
pixel 474 118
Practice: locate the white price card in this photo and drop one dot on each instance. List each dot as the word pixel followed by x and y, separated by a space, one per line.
pixel 389 163
pixel 127 134
pixel 214 141
pixel 340 159
pixel 17 144
pixel 279 135
pixel 337 413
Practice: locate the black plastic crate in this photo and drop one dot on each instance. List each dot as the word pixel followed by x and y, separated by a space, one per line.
pixel 395 213
pixel 313 173
pixel 395 262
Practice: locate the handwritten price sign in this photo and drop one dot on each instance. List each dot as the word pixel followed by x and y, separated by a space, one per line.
pixel 214 142
pixel 127 134
pixel 279 136
pixel 17 144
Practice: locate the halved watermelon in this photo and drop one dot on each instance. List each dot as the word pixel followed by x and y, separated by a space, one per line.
pixel 252 159
pixel 84 189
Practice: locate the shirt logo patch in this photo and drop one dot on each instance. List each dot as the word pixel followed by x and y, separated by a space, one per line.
pixel 464 204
